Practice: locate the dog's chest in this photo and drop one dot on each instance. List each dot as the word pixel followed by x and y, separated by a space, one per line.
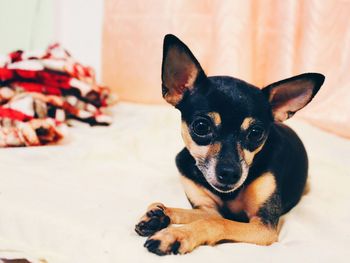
pixel 234 209
pixel 236 205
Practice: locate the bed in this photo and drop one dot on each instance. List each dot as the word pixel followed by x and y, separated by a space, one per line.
pixel 79 201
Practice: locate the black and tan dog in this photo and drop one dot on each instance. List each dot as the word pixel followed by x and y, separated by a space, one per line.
pixel 241 168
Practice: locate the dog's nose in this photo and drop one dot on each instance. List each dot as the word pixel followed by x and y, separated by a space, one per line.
pixel 228 174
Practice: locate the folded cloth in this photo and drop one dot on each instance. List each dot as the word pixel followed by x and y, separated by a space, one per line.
pixel 15 256
pixel 20 260
pixel 41 91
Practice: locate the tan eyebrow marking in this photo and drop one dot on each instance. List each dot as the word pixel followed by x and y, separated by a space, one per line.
pixel 246 123
pixel 215 116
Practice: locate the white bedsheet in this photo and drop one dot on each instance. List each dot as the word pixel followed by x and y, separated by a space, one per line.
pixel 79 201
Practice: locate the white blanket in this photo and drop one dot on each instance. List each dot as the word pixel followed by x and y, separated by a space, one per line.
pixel 79 201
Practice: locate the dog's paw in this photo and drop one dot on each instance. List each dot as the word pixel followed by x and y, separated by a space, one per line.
pixel 172 240
pixel 154 220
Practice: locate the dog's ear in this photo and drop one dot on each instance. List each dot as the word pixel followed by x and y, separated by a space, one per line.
pixel 288 96
pixel 180 70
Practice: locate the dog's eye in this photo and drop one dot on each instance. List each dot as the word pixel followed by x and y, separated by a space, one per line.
pixel 255 134
pixel 201 127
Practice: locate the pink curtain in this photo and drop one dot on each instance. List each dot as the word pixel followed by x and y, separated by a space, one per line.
pixel 258 41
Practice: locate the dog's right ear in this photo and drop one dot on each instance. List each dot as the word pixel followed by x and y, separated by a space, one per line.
pixel 180 70
pixel 288 96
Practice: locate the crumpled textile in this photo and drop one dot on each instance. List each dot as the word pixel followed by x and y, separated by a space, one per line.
pixel 41 91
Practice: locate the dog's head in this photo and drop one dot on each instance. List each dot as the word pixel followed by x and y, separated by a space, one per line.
pixel 226 121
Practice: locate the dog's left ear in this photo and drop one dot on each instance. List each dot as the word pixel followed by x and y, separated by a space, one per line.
pixel 180 70
pixel 288 96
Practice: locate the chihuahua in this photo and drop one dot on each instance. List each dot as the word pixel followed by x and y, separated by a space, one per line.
pixel 241 168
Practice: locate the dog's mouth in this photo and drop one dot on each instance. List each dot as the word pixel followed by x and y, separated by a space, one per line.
pixel 223 188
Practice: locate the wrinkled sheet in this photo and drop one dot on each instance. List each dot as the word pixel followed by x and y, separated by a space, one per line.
pixel 79 201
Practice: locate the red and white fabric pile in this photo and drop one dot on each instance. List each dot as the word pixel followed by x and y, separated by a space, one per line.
pixel 40 92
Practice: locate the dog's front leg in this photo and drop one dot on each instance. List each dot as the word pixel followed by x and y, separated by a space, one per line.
pixel 209 232
pixel 158 216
